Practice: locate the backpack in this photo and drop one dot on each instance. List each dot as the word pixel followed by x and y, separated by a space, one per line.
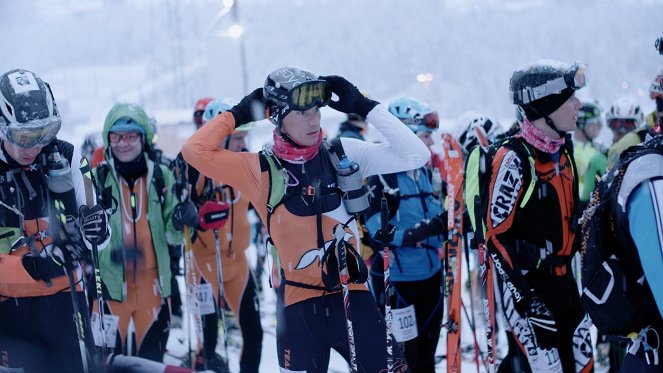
pixel 278 195
pixel 613 291
pixel 478 171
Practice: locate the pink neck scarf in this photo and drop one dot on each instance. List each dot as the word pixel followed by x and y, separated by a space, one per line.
pixel 538 139
pixel 285 150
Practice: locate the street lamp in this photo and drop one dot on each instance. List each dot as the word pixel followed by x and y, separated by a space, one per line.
pixel 235 31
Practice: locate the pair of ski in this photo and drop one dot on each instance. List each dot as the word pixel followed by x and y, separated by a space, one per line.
pixel 453 168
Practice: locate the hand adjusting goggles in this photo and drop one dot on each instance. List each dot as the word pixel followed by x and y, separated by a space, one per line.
pixel 303 96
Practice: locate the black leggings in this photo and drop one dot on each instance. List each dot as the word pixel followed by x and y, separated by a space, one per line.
pixel 427 298
pixel 306 332
pixel 38 333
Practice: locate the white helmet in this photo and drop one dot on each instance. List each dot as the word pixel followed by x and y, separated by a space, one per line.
pixel 472 126
pixel 625 114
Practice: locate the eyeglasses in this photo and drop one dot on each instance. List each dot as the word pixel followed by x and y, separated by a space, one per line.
pixel 33 135
pixel 309 94
pixel 622 125
pixel 129 138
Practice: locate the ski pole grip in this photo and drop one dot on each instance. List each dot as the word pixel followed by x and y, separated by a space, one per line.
pixel 384 211
pixel 87 181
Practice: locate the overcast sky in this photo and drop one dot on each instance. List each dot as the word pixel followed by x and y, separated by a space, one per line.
pixel 166 54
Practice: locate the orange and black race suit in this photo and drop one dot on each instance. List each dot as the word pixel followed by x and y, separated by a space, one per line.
pixel 531 238
pixel 302 228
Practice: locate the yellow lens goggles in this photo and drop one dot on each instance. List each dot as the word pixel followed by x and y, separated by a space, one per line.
pixel 309 94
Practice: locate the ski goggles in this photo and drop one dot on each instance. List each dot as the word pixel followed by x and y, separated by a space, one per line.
pixel 309 94
pixel 29 135
pixel 430 122
pixel 622 125
pixel 574 79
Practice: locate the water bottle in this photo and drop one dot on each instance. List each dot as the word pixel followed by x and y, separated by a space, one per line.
pixel 59 173
pixel 61 185
pixel 355 194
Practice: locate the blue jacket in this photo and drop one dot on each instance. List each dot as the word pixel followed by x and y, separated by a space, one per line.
pixel 416 202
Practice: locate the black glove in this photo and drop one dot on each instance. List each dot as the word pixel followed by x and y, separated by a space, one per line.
pixel 350 100
pixel 424 229
pixel 64 256
pixel 542 323
pixel 250 109
pixel 94 223
pixel 384 238
pixel 185 213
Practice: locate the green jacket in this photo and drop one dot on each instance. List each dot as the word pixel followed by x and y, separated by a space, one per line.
pixel 159 220
pixel 161 231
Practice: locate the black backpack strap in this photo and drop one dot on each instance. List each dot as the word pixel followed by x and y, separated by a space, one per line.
pixel 106 197
pixel 159 184
pixel 336 147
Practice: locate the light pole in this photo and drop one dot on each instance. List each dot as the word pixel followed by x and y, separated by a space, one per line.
pixel 236 31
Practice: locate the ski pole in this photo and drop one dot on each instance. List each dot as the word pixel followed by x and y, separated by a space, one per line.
pixel 90 183
pixel 192 288
pixel 384 209
pixel 219 278
pixel 78 315
pixel 471 320
pixel 221 312
pixel 58 167
pixel 488 297
pixel 190 275
pixel 477 353
pixel 339 237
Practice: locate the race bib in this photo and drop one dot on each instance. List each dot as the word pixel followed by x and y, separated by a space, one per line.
pixel 404 324
pixel 110 328
pixel 205 298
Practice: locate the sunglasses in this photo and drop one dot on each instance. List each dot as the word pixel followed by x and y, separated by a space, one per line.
pixel 622 125
pixel 309 94
pixel 129 138
pixel 32 136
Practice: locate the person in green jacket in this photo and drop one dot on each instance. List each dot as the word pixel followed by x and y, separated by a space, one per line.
pixel 135 268
pixel 589 126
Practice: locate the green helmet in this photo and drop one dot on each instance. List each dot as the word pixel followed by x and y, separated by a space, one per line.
pixel 128 117
pixel 590 112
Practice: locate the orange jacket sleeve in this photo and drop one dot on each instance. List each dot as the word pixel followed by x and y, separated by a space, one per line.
pixel 239 170
pixel 16 282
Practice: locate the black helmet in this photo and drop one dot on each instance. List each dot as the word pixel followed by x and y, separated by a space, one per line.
pixel 543 86
pixel 590 112
pixel 292 88
pixel 28 113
